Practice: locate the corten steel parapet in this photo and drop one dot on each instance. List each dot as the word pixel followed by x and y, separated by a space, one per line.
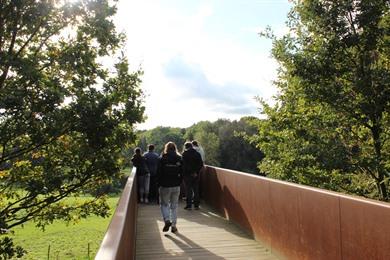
pixel 299 222
pixel 119 240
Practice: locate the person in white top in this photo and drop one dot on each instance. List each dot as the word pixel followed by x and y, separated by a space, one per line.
pixel 199 149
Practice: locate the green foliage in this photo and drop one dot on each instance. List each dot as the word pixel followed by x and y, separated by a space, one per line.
pixel 66 240
pixel 235 152
pixel 64 114
pixel 7 249
pixel 206 133
pixel 330 127
pixel 221 140
pixel 159 136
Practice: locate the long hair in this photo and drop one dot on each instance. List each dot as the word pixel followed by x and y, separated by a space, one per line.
pixel 170 147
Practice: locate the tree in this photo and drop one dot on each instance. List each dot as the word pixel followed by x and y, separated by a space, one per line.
pixel 159 136
pixel 235 152
pixel 206 133
pixel 225 145
pixel 223 141
pixel 331 123
pixel 64 115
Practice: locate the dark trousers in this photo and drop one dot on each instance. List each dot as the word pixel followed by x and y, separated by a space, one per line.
pixel 153 192
pixel 183 191
pixel 192 190
pixel 201 172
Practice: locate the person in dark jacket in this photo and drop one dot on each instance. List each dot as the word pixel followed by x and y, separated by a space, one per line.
pixel 143 176
pixel 192 164
pixel 169 177
pixel 152 159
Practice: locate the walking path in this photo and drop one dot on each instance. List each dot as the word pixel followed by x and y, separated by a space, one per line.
pixel 202 235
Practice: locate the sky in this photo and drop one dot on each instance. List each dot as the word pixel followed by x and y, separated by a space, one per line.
pixel 202 60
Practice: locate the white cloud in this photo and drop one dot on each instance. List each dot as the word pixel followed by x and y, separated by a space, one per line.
pixel 157 35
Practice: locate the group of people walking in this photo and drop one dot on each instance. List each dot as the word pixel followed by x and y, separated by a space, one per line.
pixel 160 178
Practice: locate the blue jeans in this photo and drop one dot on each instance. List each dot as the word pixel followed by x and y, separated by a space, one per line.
pixel 169 199
pixel 143 185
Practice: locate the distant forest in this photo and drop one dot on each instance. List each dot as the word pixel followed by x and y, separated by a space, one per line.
pixel 224 142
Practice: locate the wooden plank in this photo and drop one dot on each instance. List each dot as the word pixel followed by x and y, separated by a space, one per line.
pixel 202 235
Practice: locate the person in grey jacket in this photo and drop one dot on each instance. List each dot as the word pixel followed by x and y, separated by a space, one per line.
pixel 152 159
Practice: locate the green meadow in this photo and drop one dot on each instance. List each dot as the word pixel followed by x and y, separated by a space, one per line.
pixel 62 241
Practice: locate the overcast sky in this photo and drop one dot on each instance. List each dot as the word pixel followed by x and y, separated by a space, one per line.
pixel 203 60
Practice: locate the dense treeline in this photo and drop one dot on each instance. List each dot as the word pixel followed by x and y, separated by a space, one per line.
pixel 222 141
pixel 330 126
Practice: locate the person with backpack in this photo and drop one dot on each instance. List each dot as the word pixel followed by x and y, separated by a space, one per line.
pixel 192 164
pixel 143 175
pixel 169 177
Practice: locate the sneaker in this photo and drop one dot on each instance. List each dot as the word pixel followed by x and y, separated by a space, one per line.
pixel 173 229
pixel 188 207
pixel 166 226
pixel 197 207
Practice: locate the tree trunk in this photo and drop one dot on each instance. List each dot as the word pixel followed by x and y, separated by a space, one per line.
pixel 376 132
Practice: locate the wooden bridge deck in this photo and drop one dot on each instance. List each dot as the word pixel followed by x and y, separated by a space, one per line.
pixel 202 235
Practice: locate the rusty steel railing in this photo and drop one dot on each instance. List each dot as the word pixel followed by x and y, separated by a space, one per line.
pixel 300 222
pixel 119 240
pixel 293 221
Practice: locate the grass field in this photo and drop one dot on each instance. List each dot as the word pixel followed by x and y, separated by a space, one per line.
pixel 66 242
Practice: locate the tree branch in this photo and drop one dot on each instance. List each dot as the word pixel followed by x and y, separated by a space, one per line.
pixel 10 49
pixel 31 147
pixel 366 170
pixel 1 25
pixel 42 204
pixel 30 38
pixel 50 200
pixel 34 214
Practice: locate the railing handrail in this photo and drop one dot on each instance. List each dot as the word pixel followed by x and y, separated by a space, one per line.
pixel 119 240
pixel 309 188
pixel 297 221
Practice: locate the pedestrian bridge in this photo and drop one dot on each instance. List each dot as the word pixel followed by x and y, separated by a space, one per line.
pixel 250 217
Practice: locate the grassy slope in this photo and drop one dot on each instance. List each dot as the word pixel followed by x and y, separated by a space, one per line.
pixel 66 242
